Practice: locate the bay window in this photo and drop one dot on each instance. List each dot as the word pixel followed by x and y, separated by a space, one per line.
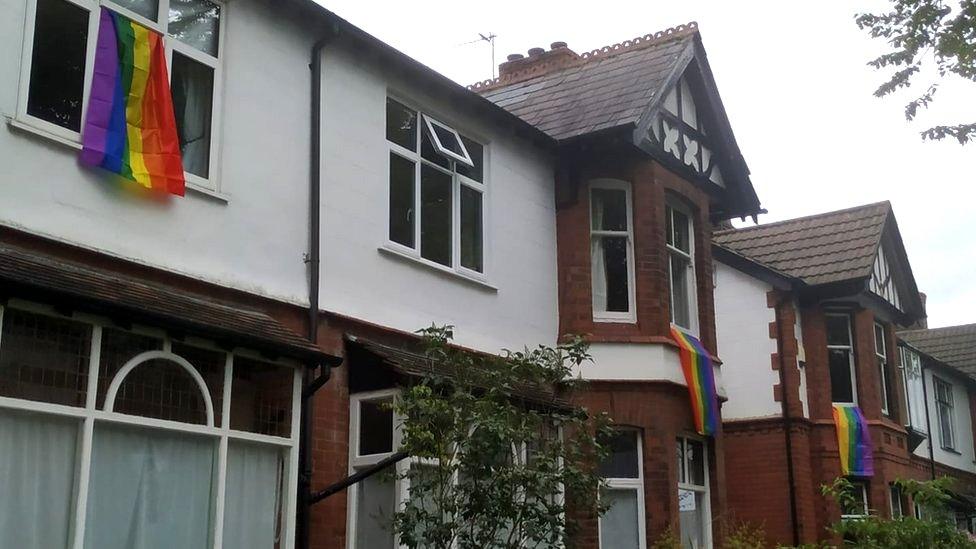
pixel 113 438
pixel 623 523
pixel 612 251
pixel 694 505
pixel 681 266
pixel 840 356
pixel 437 191
pixel 945 413
pixel 58 61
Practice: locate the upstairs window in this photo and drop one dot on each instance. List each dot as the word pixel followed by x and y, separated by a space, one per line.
pixel 623 523
pixel 881 355
pixel 437 190
pixel 57 69
pixel 611 251
pixel 945 413
pixel 840 351
pixel 911 371
pixel 681 267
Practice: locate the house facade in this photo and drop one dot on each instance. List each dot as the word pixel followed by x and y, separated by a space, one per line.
pixel 808 313
pixel 177 359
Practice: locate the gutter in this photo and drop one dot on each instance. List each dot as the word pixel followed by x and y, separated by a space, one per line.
pixel 787 422
pixel 313 259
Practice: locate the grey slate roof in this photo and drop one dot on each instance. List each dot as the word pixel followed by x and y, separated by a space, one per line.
pixel 952 345
pixel 819 249
pixel 605 89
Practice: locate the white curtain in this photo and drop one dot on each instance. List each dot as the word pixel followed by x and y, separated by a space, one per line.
pixel 374 513
pixel 149 489
pixel 618 527
pixel 37 477
pixel 192 88
pixel 598 279
pixel 252 507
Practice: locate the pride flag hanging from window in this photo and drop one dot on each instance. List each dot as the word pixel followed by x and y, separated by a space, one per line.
pixel 130 128
pixel 853 442
pixel 697 366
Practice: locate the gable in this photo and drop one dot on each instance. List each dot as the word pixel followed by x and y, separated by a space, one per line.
pixel 882 282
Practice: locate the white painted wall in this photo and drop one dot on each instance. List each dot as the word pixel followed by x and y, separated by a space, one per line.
pixel 640 362
pixel 253 241
pixel 801 359
pixel 965 455
pixel 363 281
pixel 742 328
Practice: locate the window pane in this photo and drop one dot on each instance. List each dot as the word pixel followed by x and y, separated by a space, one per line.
pixel 37 479
pixel 401 124
pixel 691 505
pixel 840 376
pixel 44 358
pixel 449 140
pixel 375 428
pixel 680 296
pixel 477 153
pixel 146 8
pixel 608 210
pixel 696 462
pixel 192 87
pixel 837 330
pixel 429 152
pixel 610 277
pixel 879 341
pixel 195 23
pixel 375 507
pixel 619 527
pixel 260 399
pixel 57 75
pixel 254 496
pixel 435 215
pixel 622 460
pixel 402 176
pixel 150 489
pixel 161 389
pixel 471 229
pixel 681 239
pixel 210 365
pixel 118 347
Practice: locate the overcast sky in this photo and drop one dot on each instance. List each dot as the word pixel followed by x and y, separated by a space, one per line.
pixel 793 79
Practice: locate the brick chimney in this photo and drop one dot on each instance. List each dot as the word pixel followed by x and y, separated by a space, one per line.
pixel 539 61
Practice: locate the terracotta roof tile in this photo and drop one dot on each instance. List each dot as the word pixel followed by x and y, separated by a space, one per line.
pixel 820 249
pixel 953 345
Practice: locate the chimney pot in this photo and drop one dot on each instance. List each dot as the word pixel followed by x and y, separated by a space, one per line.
pixel 536 51
pixel 558 45
pixel 515 56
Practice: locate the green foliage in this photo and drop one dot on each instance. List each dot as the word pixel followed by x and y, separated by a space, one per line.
pixel 667 540
pixel 936 529
pixel 489 467
pixel 742 535
pixel 921 32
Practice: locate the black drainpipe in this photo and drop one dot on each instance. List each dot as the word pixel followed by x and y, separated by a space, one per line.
pixel 787 421
pixel 313 260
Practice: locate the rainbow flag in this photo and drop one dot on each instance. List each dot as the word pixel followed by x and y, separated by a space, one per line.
pixel 130 128
pixel 853 442
pixel 697 366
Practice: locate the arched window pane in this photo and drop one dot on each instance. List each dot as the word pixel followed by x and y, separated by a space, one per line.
pixel 210 365
pixel 118 347
pixel 161 389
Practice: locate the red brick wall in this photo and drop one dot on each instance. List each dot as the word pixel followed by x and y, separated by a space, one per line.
pixel 649 182
pixel 661 411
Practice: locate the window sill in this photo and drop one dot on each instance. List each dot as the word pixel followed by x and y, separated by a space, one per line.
pixel 396 253
pixel 951 451
pixel 27 127
pixel 613 320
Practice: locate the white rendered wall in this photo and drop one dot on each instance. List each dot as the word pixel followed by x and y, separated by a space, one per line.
pixel 253 241
pixel 742 329
pixel 640 362
pixel 964 455
pixel 363 281
pixel 801 359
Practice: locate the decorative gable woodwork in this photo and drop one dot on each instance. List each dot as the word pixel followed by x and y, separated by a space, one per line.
pixel 882 283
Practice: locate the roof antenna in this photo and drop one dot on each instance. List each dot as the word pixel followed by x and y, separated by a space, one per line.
pixel 490 38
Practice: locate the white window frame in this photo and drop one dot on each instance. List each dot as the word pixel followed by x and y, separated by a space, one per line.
pixel 851 362
pixel 706 489
pixel 945 431
pixel 691 278
pixel 71 138
pixel 615 316
pixel 881 356
pixel 864 500
pixel 89 415
pixel 895 501
pixel 457 181
pixel 630 484
pixel 909 360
